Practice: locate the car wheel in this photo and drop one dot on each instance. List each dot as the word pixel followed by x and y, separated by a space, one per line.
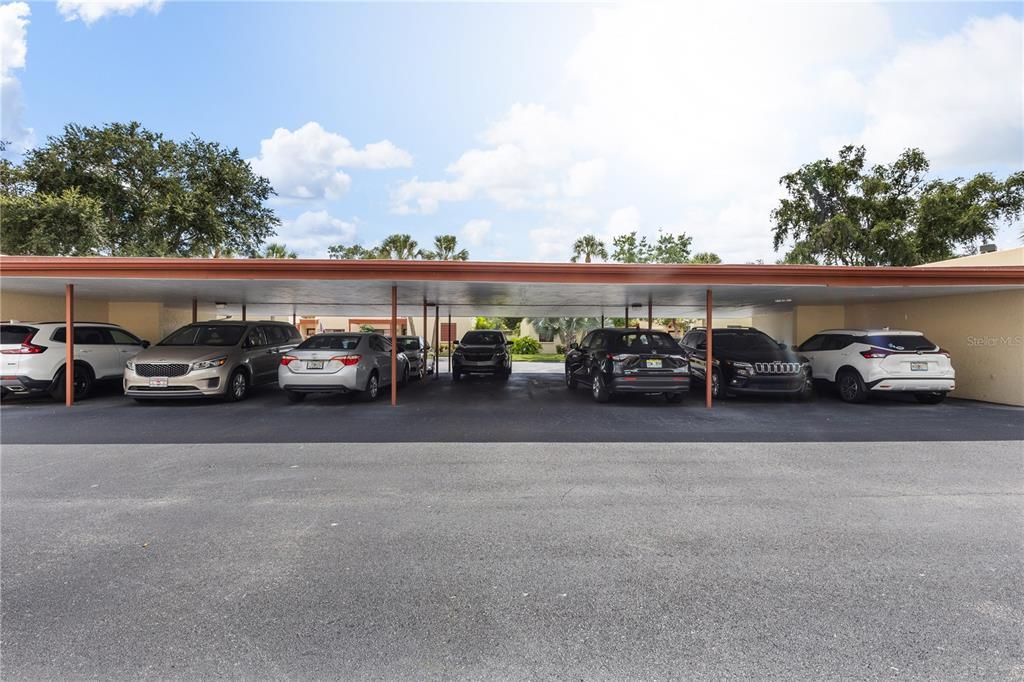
pixel 851 387
pixel 717 390
pixel 372 390
pixel 422 374
pixel 238 386
pixel 83 383
pixel 933 398
pixel 456 375
pixel 599 389
pixel 405 376
pixel 676 397
pixel 295 396
pixel 505 374
pixel 807 393
pixel 570 382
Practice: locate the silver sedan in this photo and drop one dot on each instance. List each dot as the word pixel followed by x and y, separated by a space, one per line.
pixel 340 363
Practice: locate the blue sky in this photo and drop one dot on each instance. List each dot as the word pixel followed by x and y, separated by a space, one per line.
pixel 520 127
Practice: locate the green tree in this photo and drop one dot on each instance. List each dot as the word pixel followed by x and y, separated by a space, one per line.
pixel 627 248
pixel 706 258
pixel 483 323
pixel 567 329
pixel 667 248
pixel 445 248
pixel 588 247
pixel 398 247
pixel 277 251
pixel 839 212
pixel 155 196
pixel 354 252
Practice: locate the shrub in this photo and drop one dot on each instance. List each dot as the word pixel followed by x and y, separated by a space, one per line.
pixel 524 345
pixel 560 349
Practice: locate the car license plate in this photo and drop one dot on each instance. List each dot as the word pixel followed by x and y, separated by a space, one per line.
pixel 919 367
pixel 314 364
pixel 653 364
pixel 158 382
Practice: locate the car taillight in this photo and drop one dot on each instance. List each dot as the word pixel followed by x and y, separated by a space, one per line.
pixel 875 353
pixel 26 348
pixel 348 360
pixel 287 359
pixel 943 351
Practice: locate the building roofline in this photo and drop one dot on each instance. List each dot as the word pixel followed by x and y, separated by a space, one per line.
pixel 511 272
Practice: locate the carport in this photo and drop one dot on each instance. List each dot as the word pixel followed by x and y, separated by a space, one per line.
pixel 799 296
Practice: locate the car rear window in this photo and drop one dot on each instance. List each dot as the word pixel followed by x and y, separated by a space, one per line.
pixel 898 342
pixel 483 338
pixel 205 335
pixel 330 343
pixel 15 333
pixel 409 344
pixel 646 342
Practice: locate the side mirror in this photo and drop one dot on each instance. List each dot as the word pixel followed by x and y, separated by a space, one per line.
pixel 455 343
pixel 574 346
pixel 783 346
pixel 426 346
pixel 145 344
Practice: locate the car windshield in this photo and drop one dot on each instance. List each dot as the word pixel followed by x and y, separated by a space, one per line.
pixel 483 338
pixel 409 344
pixel 330 342
pixel 205 335
pixel 726 340
pixel 898 342
pixel 647 342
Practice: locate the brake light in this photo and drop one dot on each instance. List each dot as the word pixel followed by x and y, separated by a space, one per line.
pixel 348 360
pixel 26 348
pixel 943 351
pixel 875 353
pixel 287 359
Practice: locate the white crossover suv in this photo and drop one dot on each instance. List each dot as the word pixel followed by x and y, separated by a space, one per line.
pixel 862 361
pixel 32 356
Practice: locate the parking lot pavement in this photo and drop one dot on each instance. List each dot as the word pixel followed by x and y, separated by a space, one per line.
pixel 533 405
pixel 524 561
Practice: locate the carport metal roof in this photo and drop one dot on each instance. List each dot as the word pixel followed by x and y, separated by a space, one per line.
pixel 334 287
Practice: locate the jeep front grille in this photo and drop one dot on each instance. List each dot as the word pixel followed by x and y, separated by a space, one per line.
pixel 777 367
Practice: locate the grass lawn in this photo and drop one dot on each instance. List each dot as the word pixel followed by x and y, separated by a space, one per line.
pixel 539 357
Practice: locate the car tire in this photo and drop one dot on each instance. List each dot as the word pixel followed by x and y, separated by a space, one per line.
pixel 599 389
pixel 405 376
pixel 422 373
pixel 295 396
pixel 676 397
pixel 806 394
pixel 83 383
pixel 570 382
pixel 851 387
pixel 506 374
pixel 456 375
pixel 372 390
pixel 718 391
pixel 238 386
pixel 932 398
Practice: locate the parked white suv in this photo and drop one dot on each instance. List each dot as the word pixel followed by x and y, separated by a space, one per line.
pixel 32 356
pixel 862 361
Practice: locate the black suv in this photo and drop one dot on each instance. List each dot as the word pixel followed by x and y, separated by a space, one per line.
pixel 628 361
pixel 747 361
pixel 482 352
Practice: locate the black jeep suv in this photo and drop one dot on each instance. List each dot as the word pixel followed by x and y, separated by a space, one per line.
pixel 747 361
pixel 482 352
pixel 612 361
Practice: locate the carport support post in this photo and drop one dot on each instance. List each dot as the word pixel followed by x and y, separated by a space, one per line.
pixel 627 317
pixel 69 344
pixel 437 339
pixel 394 345
pixel 424 332
pixel 650 314
pixel 449 341
pixel 709 362
pixel 195 309
pixel 243 312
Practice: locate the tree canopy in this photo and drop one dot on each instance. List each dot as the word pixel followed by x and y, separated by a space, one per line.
pixel 402 247
pixel 842 213
pixel 277 251
pixel 588 247
pixel 446 247
pixel 667 248
pixel 122 190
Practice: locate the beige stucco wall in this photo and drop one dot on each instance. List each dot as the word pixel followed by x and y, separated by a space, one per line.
pixel 142 319
pixel 33 308
pixel 777 324
pixel 1007 257
pixel 984 334
pixel 811 319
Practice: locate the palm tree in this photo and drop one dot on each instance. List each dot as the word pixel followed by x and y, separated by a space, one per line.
pixel 588 246
pixel 398 247
pixel 278 251
pixel 445 246
pixel 567 329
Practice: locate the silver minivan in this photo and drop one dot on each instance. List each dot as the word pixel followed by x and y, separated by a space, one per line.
pixel 222 358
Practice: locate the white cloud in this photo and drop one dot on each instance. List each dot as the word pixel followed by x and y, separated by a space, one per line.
pixel 476 230
pixel 624 220
pixel 13 51
pixel 307 163
pixel 313 231
pixel 957 97
pixel 90 11
pixel 531 159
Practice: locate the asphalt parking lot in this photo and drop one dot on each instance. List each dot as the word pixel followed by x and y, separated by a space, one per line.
pixel 513 561
pixel 533 405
